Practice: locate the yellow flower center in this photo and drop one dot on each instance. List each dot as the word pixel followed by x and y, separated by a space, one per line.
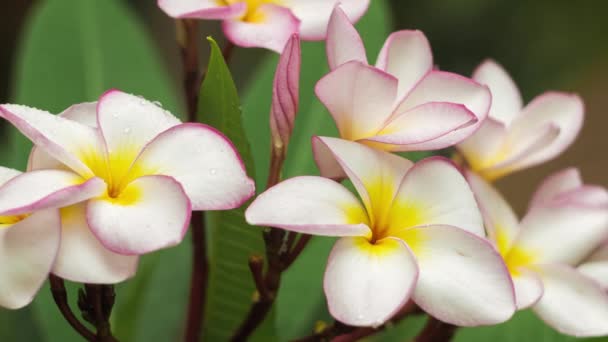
pixel 515 257
pixel 7 221
pixel 252 14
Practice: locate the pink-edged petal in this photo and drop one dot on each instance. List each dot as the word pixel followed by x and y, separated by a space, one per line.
pixel 419 128
pixel 502 225
pixel 43 189
pixel 285 92
pixel 359 97
pixel 366 284
pixel 506 99
pixel 563 234
pixel 7 174
pixel 310 205
pixel 63 139
pixel 212 174
pixel 406 55
pixel 566 188
pixel 40 160
pixel 438 194
pixel 565 111
pixel 326 162
pixel 271 29
pixel 572 303
pixel 27 250
pixel 528 288
pixel 202 9
pixel 481 148
pixel 83 259
pixel 343 41
pixel 462 281
pixel 375 174
pixel 440 86
pixel 315 14
pixel 152 212
pixel 596 266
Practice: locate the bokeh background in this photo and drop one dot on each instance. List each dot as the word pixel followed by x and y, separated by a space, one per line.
pixel 58 52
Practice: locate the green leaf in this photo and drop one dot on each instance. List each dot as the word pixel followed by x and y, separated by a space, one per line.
pixel 231 240
pixel 300 301
pixel 72 51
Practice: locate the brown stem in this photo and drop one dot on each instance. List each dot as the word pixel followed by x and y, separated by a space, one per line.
pixel 188 38
pixel 60 296
pixel 295 252
pixel 227 51
pixel 101 301
pixel 436 331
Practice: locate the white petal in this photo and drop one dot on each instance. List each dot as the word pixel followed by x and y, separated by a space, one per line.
pixel 482 148
pixel 572 303
pixel 359 97
pixel 366 284
pixel 310 205
pixel 27 250
pixel 596 266
pixel 152 212
pixel 314 14
pixel 271 30
pixel 7 174
pixel 212 174
pixel 566 188
pixel 201 9
pixel 437 193
pixel 43 189
pixel 343 41
pixel 406 55
pixel 506 99
pixel 462 281
pixel 528 288
pixel 83 259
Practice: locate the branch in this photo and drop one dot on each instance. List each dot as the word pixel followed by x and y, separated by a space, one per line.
pixel 60 296
pixel 436 331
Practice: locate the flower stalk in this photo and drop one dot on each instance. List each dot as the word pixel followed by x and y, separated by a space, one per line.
pixel 60 296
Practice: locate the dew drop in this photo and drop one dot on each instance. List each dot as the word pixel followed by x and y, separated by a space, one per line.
pixel 114 115
pixel 158 103
pixel 213 172
pixel 127 130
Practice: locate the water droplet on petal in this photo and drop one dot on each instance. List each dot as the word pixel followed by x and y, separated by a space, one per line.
pixel 114 115
pixel 127 130
pixel 158 103
pixel 212 172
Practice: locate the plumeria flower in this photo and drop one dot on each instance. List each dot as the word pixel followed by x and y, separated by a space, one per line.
pixel 265 23
pixel 130 175
pixel 565 222
pixel 516 137
pixel 401 104
pixel 416 233
pixel 29 240
pixel 596 266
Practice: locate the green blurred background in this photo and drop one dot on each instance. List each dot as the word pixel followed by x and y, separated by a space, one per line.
pixel 58 52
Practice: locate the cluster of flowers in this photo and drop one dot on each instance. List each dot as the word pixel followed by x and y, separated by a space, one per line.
pixel 111 180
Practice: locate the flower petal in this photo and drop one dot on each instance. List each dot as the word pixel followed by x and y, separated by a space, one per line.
pixel 502 225
pixel 406 55
pixel 366 284
pixel 566 188
pixel 285 92
pixel 563 110
pixel 65 140
pixel 528 288
pixel 36 190
pixel 440 86
pixel 418 128
pixel 83 259
pixel 572 303
pixel 359 97
pixel 7 174
pixel 315 14
pixel 343 41
pixel 201 9
pixel 212 175
pixel 326 162
pixel 375 174
pixel 436 193
pixel 563 234
pixel 596 266
pixel 481 148
pixel 310 205
pixel 462 281
pixel 271 29
pixel 152 212
pixel 27 250
pixel 506 99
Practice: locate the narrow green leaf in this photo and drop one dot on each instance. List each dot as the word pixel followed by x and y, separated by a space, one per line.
pixel 231 240
pixel 301 302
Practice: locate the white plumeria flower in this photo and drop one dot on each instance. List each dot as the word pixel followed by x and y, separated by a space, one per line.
pixel 596 266
pixel 565 222
pixel 416 232
pixel 127 174
pixel 29 241
pixel 401 104
pixel 265 23
pixel 516 137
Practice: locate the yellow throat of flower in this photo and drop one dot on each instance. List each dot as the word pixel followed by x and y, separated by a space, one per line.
pixel 252 14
